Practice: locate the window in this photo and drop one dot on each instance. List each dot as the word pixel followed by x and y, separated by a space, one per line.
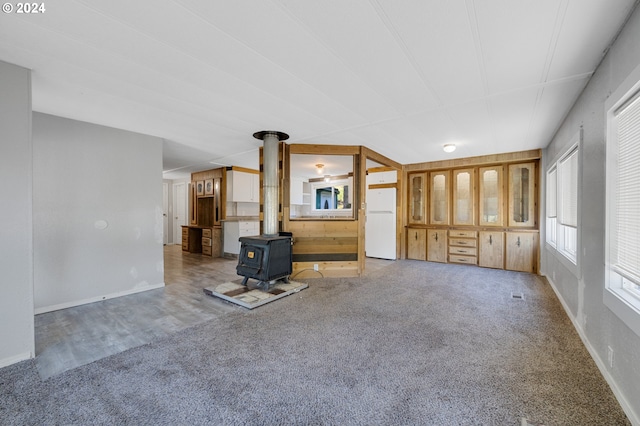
pixel 622 263
pixel 562 205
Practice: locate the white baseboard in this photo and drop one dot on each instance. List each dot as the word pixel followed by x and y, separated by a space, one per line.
pixel 96 299
pixel 626 407
pixel 14 359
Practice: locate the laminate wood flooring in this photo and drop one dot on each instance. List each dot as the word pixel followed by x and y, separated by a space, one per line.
pixel 72 337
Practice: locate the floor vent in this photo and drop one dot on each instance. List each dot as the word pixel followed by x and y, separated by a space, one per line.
pixel 518 296
pixel 527 422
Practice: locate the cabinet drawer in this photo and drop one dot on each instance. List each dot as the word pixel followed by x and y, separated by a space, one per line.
pixel 464 242
pixel 206 233
pixel 463 234
pixel 469 260
pixel 206 250
pixel 185 245
pixel 206 242
pixel 468 251
pixel 185 232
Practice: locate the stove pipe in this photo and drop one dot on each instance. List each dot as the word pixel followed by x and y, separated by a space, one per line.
pixel 271 140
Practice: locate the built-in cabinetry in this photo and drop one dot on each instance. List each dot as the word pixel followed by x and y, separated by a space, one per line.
pixel 417 243
pixel 199 239
pixel 437 245
pixel 463 246
pixel 481 214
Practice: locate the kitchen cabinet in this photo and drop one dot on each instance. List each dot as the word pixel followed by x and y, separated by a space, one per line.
pixel 522 191
pixel 417 199
pixel 377 178
pixel 437 245
pixel 243 187
pixel 521 251
pixel 491 249
pixel 439 198
pixel 491 196
pixel 233 230
pixel 463 246
pixel 464 197
pixel 417 243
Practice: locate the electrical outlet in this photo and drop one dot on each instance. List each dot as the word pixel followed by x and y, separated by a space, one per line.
pixel 610 356
pixel 315 266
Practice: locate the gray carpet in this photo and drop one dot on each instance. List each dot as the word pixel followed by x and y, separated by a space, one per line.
pixel 415 343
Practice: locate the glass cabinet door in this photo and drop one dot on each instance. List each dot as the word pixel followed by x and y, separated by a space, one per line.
pixel 522 183
pixel 439 198
pixel 417 196
pixel 463 197
pixel 491 196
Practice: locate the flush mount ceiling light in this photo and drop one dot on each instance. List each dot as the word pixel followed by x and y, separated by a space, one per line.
pixel 320 168
pixel 449 147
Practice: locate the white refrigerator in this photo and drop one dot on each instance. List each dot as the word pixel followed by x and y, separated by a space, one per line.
pixel 380 227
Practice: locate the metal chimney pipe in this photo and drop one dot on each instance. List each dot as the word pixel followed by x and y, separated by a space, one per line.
pixel 271 140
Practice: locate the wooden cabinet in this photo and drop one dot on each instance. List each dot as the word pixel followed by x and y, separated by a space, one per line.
pixel 464 201
pixel 243 187
pixel 417 199
pixel 463 247
pixel 521 249
pixel 491 198
pixel 522 191
pixel 416 243
pixel 193 209
pixel 437 245
pixel 439 198
pixel 491 249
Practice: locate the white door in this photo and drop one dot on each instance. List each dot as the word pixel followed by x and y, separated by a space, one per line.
pixel 380 228
pixel 165 213
pixel 180 211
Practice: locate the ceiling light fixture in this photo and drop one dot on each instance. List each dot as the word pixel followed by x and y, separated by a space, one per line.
pixel 449 147
pixel 320 168
pixel 327 178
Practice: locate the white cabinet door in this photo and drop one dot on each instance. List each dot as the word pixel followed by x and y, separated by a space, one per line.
pixel 245 187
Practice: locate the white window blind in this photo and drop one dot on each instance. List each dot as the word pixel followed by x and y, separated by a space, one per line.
pixel 552 190
pixel 568 168
pixel 626 253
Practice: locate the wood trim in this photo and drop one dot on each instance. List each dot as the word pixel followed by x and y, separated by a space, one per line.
pixel 243 169
pixel 324 149
pixel 381 169
pixel 520 156
pixel 379 158
pixel 383 185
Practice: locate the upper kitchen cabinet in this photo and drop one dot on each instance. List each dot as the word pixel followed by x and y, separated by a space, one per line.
pixel 417 199
pixel 464 197
pixel 522 192
pixel 491 195
pixel 439 193
pixel 243 186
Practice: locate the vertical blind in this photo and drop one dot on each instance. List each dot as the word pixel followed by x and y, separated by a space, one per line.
pixel 552 191
pixel 568 168
pixel 626 253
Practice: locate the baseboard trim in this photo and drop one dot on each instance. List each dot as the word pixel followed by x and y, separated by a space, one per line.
pixel 626 407
pixel 66 305
pixel 15 359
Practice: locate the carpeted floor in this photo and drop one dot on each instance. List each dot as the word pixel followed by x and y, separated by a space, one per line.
pixel 415 343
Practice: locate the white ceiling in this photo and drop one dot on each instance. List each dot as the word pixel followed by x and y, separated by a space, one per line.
pixel 401 77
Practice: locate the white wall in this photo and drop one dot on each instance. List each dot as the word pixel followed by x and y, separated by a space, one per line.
pixel 16 250
pixel 583 295
pixel 97 212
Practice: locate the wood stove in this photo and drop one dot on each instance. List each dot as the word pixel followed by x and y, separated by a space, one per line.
pixel 266 259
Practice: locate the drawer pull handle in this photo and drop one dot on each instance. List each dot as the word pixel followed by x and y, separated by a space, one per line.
pixel 462 242
pixel 436 237
pixel 490 240
pixel 416 235
pixel 460 251
pixel 518 243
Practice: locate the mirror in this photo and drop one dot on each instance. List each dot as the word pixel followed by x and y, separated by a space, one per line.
pixel 321 186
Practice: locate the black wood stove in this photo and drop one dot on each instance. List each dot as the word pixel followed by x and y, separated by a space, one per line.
pixel 266 259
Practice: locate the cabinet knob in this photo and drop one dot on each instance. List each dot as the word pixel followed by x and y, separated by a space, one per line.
pixel 490 240
pixel 416 235
pixel 518 243
pixel 436 237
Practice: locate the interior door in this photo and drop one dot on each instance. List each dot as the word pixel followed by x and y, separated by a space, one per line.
pixel 180 211
pixel 165 213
